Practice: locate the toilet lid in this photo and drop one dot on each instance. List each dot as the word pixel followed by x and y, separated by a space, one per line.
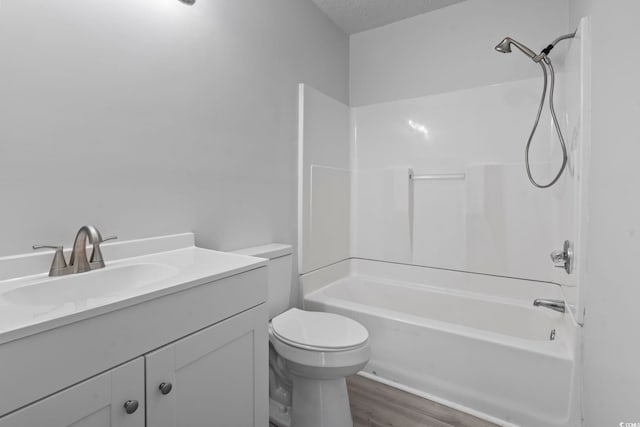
pixel 311 329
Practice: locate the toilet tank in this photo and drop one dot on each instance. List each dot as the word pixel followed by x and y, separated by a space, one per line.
pixel 279 272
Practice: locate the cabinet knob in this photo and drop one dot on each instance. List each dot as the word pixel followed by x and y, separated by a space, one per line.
pixel 165 388
pixel 131 406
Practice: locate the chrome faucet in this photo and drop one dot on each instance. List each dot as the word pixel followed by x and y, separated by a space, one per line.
pixel 78 262
pixel 552 304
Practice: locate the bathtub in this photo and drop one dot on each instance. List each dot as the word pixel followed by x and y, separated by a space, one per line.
pixel 470 341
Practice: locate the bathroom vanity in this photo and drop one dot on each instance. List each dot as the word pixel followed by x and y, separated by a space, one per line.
pixel 167 334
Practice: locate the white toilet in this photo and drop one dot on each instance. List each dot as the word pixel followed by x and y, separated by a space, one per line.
pixel 310 353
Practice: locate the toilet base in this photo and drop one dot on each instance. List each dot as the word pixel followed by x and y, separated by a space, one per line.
pixel 279 414
pixel 320 403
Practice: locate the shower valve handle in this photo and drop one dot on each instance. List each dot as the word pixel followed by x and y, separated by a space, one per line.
pixel 564 258
pixel 557 256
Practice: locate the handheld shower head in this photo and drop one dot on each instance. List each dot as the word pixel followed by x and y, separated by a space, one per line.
pixel 544 61
pixel 505 47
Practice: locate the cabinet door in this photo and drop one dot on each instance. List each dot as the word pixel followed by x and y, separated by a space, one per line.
pixel 97 402
pixel 218 376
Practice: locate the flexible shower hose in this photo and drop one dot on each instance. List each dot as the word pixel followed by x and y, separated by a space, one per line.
pixel 542 63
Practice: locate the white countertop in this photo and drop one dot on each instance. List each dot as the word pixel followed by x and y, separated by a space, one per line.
pixel 180 269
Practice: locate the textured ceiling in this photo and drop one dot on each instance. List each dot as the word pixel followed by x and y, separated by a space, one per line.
pixel 354 16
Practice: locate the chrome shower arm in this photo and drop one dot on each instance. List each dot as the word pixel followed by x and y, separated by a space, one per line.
pixel 563 37
pixel 553 44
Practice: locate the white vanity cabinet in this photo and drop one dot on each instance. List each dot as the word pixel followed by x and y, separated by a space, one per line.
pixel 208 341
pixel 214 377
pixel 97 402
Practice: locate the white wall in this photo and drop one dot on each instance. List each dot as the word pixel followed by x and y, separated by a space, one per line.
pixel 450 48
pixel 612 271
pixel 146 117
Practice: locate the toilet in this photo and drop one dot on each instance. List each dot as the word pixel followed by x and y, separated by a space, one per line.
pixel 310 353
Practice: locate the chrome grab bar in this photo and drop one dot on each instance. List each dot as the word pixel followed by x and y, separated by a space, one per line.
pixel 438 177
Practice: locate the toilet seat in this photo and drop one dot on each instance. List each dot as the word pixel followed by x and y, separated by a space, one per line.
pixel 320 364
pixel 318 331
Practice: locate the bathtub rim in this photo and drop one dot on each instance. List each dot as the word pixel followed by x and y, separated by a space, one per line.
pixel 561 350
pixel 317 279
pixel 520 302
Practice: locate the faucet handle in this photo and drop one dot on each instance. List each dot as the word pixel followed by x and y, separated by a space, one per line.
pixel 557 256
pixel 59 263
pixel 96 256
pixel 36 247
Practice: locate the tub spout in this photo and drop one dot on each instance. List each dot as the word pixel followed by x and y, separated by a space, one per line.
pixel 552 304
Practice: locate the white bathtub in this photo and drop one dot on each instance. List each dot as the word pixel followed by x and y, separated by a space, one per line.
pixel 473 342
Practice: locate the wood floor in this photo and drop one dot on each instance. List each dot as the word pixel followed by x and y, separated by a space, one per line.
pixel 377 405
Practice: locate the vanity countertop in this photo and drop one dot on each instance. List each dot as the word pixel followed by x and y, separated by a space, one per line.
pixel 135 272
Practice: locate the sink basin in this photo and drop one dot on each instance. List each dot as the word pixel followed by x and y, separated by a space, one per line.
pixel 81 288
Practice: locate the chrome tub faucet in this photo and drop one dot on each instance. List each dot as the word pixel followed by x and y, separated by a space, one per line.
pixel 552 304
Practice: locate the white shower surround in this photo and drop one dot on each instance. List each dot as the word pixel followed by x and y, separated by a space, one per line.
pixel 491 222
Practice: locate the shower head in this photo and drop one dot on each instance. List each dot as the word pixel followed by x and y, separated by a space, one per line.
pixel 505 47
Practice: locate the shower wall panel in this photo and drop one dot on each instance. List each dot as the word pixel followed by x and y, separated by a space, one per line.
pixel 324 190
pixel 474 209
